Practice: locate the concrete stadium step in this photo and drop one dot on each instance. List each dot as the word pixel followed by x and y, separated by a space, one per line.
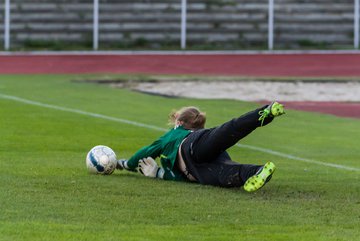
pixel 211 21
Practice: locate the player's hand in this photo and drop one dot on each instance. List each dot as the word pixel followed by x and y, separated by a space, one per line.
pixel 149 168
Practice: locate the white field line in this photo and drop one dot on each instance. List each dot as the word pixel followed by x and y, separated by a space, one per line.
pixel 134 123
pixel 100 116
pixel 292 157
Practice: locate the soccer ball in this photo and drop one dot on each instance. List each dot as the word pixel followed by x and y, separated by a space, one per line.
pixel 101 160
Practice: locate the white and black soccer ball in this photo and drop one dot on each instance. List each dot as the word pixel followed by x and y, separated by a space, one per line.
pixel 101 160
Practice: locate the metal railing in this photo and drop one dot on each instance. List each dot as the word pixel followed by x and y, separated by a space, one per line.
pixel 356 24
pixel 7 25
pixel 271 3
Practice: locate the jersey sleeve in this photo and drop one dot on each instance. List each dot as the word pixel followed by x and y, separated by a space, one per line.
pixel 153 150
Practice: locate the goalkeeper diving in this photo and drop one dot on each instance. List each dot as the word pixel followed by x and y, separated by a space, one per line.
pixel 191 152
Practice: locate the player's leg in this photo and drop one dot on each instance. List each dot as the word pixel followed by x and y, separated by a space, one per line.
pixel 224 172
pixel 206 144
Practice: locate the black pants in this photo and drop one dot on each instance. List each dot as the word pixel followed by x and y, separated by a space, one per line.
pixel 204 151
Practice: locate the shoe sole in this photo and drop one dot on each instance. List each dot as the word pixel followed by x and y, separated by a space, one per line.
pixel 257 181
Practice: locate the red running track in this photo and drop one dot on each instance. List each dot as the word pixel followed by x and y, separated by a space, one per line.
pixel 256 65
pixel 267 65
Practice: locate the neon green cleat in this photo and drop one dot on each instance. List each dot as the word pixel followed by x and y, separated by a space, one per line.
pixel 262 176
pixel 273 110
pixel 276 109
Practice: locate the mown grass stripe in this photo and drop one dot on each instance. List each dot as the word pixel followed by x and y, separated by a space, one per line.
pixel 100 116
pixel 81 112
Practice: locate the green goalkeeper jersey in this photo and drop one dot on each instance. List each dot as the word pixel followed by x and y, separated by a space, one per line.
pixel 166 147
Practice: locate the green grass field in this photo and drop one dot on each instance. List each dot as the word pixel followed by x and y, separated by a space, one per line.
pixel 47 194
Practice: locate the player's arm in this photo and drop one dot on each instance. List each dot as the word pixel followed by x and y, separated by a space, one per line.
pixel 152 150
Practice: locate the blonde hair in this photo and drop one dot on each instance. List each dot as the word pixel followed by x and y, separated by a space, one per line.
pixel 190 117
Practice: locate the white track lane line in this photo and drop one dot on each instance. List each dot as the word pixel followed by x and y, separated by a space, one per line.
pixel 134 123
